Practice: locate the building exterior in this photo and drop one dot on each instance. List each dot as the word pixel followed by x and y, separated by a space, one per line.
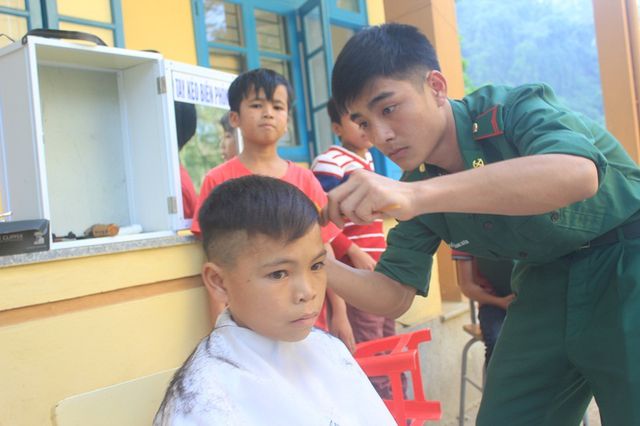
pixel 73 323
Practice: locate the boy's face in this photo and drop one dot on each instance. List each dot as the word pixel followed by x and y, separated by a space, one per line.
pixel 229 146
pixel 351 134
pixel 260 120
pixel 274 288
pixel 407 123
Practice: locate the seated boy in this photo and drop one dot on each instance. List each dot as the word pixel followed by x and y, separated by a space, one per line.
pixel 259 102
pixel 264 363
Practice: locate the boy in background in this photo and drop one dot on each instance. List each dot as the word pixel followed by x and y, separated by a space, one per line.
pixel 229 143
pixel 264 363
pixel 186 121
pixel 332 168
pixel 259 102
pixel 488 282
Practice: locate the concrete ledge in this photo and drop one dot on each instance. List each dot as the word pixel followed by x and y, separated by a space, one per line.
pixel 451 310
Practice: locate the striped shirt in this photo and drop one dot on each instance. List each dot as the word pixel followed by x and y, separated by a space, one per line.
pixel 332 168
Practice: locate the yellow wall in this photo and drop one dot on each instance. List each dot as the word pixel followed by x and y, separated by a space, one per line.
pixel 618 40
pixel 375 12
pixel 48 359
pixel 109 319
pixel 437 20
pixel 162 25
pixel 66 279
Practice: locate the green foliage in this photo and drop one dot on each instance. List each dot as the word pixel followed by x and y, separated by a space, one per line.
pixel 468 84
pixel 527 41
pixel 203 152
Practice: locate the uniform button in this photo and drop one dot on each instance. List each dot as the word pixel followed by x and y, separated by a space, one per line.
pixel 523 254
pixel 487 225
pixel 555 216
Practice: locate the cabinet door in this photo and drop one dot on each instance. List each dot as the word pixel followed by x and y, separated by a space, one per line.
pixel 206 91
pixel 21 171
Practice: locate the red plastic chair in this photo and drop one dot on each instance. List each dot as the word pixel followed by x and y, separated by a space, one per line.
pixel 391 356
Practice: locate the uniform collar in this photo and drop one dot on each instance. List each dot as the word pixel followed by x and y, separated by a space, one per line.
pixel 469 148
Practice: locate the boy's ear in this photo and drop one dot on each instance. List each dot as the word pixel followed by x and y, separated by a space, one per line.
pixel 214 282
pixel 234 119
pixel 336 129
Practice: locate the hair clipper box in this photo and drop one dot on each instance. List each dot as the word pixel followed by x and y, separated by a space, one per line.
pixel 24 236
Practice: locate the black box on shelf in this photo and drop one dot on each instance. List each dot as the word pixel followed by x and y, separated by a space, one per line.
pixel 24 236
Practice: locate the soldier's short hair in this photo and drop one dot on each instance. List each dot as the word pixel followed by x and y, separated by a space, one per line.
pixel 390 50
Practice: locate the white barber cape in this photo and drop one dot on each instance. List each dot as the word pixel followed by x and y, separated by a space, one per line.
pixel 238 377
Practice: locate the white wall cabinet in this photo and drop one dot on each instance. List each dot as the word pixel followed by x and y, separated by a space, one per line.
pixel 87 137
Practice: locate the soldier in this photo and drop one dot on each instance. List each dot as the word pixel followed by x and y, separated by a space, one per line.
pixel 504 173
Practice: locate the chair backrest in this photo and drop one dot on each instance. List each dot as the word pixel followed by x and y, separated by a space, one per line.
pixel 130 403
pixel 391 357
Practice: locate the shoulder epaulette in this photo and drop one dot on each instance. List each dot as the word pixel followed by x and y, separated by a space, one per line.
pixel 488 124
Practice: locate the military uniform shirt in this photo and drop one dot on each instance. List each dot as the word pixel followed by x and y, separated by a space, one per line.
pixel 497 123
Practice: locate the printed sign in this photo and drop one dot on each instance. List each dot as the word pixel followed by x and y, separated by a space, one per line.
pixel 199 90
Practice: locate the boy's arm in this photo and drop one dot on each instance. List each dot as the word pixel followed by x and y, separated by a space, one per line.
pixel 368 290
pixel 467 281
pixel 339 324
pixel 521 186
pixel 340 244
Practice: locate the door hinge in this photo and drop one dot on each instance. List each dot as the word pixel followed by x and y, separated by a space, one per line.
pixel 172 205
pixel 162 85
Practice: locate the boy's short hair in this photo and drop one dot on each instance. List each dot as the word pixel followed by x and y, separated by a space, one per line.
pixel 335 113
pixel 252 205
pixel 225 123
pixel 186 122
pixel 390 50
pixel 260 78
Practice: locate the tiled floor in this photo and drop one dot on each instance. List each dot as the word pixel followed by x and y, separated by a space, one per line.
pixel 593 416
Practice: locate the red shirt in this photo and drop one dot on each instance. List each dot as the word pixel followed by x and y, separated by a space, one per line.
pixel 189 196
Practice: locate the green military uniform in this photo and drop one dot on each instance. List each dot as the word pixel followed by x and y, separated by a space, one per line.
pixel 574 328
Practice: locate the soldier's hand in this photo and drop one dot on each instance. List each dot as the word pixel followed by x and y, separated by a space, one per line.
pixel 367 196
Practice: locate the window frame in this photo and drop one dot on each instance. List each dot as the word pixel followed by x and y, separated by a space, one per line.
pixel 252 55
pixel 289 10
pixel 32 13
pixel 52 20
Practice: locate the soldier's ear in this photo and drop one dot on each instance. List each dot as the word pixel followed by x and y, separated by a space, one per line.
pixel 438 85
pixel 213 277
